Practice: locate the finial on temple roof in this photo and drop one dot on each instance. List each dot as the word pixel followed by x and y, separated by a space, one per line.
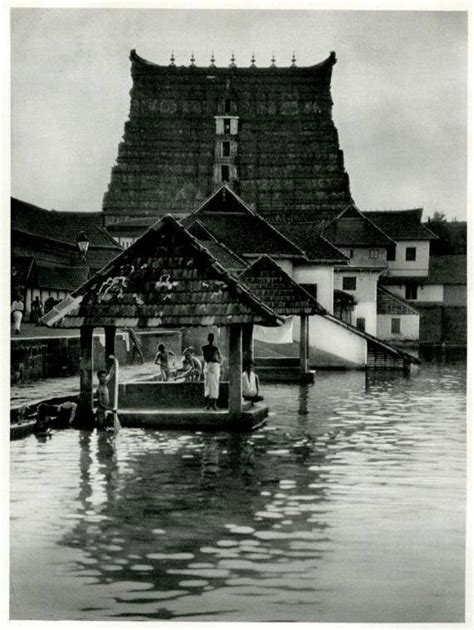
pixel 213 60
pixel 192 64
pixel 332 56
pixel 172 58
pixel 252 61
pixel 232 61
pixel 293 60
pixel 273 65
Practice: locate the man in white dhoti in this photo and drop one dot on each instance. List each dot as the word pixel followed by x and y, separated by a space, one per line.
pixel 17 311
pixel 212 372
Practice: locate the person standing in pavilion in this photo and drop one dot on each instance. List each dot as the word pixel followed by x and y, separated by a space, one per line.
pixel 212 371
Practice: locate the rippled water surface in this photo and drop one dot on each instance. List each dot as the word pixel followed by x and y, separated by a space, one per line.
pixel 348 506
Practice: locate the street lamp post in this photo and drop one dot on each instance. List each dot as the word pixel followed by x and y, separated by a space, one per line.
pixel 83 243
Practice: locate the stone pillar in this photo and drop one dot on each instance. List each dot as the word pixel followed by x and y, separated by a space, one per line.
pixel 235 371
pixel 85 411
pixel 304 344
pixel 247 342
pixel 110 349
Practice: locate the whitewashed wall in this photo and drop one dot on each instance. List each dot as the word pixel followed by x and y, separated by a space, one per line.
pixel 409 327
pixel 402 267
pixel 321 275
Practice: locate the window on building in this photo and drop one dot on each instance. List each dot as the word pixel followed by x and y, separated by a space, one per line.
pixel 227 106
pixel 360 323
pixel 410 253
pixel 373 253
pixel 225 173
pixel 349 283
pixel 226 125
pixel 312 289
pixel 411 292
pixel 351 253
pixel 391 252
pixel 226 149
pixel 396 325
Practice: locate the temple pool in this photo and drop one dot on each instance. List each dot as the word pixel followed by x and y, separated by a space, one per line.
pixel 348 507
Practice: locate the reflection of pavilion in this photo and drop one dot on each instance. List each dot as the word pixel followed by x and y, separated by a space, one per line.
pixel 158 520
pixel 169 279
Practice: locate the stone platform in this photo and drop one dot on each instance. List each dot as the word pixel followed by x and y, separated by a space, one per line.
pixel 195 419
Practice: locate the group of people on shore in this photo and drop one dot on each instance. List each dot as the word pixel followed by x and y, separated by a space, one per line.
pixel 192 370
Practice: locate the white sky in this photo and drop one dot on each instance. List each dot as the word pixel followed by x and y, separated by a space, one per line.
pixel 399 91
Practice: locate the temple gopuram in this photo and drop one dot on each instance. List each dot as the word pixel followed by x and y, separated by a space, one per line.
pixel 266 132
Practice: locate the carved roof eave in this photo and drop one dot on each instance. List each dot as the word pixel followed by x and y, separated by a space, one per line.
pixel 318 68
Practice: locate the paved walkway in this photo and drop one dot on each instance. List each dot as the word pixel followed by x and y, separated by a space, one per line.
pixel 30 330
pixel 30 393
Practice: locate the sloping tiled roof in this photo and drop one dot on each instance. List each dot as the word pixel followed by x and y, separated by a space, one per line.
pixel 307 236
pixel 402 224
pixel 166 278
pixel 389 304
pixel 277 289
pixel 60 226
pixel 447 269
pixel 355 231
pixel 60 278
pixel 241 229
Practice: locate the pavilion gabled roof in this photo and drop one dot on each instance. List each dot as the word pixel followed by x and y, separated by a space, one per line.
pixel 276 288
pixel 167 278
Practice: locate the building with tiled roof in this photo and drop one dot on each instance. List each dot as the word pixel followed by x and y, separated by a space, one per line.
pixel 46 240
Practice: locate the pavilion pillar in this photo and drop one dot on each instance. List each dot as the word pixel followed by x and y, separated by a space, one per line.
pixel 247 342
pixel 110 349
pixel 235 371
pixel 304 344
pixel 86 367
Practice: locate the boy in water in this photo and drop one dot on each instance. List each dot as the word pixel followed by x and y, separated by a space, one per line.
pixel 104 407
pixel 191 365
pixel 162 359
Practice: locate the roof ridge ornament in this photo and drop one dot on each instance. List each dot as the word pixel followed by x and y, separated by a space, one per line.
pixel 273 64
pixel 293 60
pixel 213 61
pixel 192 64
pixel 172 58
pixel 232 61
pixel 252 61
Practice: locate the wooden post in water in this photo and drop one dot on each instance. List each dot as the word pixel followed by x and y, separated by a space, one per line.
pixel 304 344
pixel 110 349
pixel 86 410
pixel 247 342
pixel 235 371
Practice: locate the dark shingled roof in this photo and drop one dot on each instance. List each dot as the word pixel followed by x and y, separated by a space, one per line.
pixel 316 247
pixel 60 226
pixel 351 227
pixel 240 228
pixel 447 270
pixel 277 289
pixel 23 267
pixel 60 278
pixel 402 224
pixel 166 278
pixel 389 304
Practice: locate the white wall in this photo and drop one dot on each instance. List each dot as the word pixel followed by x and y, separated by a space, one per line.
pixel 362 255
pixel 426 292
pixel 402 267
pixel 365 295
pixel 321 275
pixel 334 339
pixel 409 327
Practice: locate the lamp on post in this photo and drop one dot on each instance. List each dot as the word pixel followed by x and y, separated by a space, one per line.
pixel 83 243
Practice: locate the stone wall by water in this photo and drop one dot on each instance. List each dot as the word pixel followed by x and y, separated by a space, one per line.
pixel 38 358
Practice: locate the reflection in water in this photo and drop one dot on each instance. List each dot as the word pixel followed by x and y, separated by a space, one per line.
pixel 348 506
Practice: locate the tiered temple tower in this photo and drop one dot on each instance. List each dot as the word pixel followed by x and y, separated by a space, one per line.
pixel 268 132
